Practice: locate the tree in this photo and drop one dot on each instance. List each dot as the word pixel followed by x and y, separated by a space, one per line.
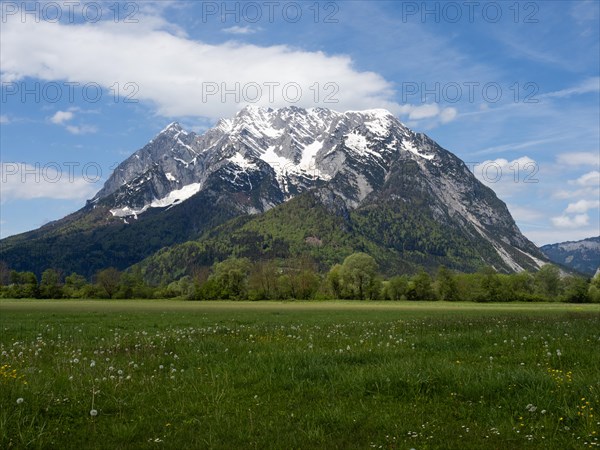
pixel 4 274
pixel 184 287
pixel 334 281
pixel 359 273
pixel 74 286
pixel 131 285
pixel 576 290
pixel 594 289
pixel 304 284
pixel 50 286
pixel 262 283
pixel 420 287
pixel 491 284
pixel 24 284
pixel 447 286
pixel 521 286
pixel 397 287
pixel 231 278
pixel 284 287
pixel 547 281
pixel 304 280
pixel 109 280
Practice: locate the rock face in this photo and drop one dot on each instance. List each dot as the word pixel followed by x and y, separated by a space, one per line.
pixel 582 256
pixel 261 158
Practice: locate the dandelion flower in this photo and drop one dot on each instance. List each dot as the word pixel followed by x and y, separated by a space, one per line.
pixel 93 412
pixel 20 400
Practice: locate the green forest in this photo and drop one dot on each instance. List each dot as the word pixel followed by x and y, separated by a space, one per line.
pixel 357 278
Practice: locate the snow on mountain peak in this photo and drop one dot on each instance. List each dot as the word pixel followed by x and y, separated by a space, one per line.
pixel 224 125
pixel 173 126
pixel 301 147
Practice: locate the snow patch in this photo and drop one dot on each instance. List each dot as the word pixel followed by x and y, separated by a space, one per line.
pixel 168 127
pixel 271 132
pixel 180 142
pixel 239 160
pixel 172 198
pixel 378 121
pixel 225 125
pixel 357 142
pixel 176 196
pixel 126 211
pixel 406 145
pixel 309 155
pixel 182 161
pixel 280 164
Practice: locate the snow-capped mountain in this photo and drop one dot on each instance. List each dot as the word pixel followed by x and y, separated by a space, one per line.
pixel 182 184
pixel 299 148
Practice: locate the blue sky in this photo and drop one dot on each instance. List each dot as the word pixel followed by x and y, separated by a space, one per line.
pixel 511 88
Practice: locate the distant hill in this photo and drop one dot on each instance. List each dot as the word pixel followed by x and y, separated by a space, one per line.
pixel 582 256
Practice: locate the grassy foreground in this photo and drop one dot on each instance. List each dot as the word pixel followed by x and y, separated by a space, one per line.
pixel 173 374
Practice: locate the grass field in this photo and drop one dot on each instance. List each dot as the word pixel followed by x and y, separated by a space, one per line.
pixel 174 374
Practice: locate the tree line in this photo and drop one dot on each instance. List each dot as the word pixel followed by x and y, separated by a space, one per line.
pixel 357 278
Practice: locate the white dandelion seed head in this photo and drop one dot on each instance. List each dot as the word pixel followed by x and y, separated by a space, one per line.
pixel 20 400
pixel 93 412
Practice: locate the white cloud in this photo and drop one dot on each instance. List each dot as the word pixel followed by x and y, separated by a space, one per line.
pixel 585 87
pixel 177 74
pixel 448 115
pixel 431 113
pixel 553 235
pixel 61 117
pixel 424 112
pixel 81 129
pixel 26 182
pixel 578 221
pixel 579 159
pixel 525 213
pixel 582 206
pixel 240 30
pixel 4 119
pixel 589 179
pixel 512 146
pixel 588 192
pixel 585 11
pixel 508 178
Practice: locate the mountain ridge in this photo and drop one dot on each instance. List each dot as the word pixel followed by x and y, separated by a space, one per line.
pixel 582 255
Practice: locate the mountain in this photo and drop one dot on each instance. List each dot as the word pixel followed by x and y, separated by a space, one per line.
pixel 582 256
pixel 382 182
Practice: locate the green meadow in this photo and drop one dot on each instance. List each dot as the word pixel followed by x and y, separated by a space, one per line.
pixel 298 375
